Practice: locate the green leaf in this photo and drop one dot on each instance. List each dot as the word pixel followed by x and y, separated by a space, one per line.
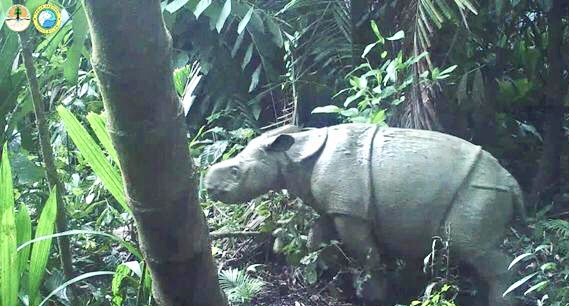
pixel 225 11
pixel 4 6
pixel 243 23
pixel 518 259
pixel 73 281
pixel 328 109
pixel 397 36
pixel 97 123
pixel 237 44
pixel 449 69
pixel 255 78
pixel 80 30
pixel 121 273
pixel 520 282
pixel 201 7
pixel 93 154
pixel 40 251
pixel 275 30
pixel 175 5
pixel 247 57
pixel 375 30
pixel 368 48
pixel 9 276
pixel 24 233
pixel 537 287
pixel 378 117
pixel 127 245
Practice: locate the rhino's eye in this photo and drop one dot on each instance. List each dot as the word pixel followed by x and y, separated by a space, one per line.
pixel 234 171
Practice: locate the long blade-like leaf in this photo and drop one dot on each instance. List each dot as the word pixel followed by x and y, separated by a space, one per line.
pixel 24 233
pixel 97 123
pixel 74 280
pixel 80 30
pixel 9 276
pixel 93 154
pixel 129 246
pixel 520 282
pixel 40 250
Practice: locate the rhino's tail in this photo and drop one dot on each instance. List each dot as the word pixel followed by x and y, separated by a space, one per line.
pixel 518 198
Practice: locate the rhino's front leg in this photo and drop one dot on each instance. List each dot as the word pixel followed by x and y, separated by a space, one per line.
pixel 357 236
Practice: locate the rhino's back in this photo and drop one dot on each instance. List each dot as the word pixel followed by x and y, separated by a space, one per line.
pixel 416 174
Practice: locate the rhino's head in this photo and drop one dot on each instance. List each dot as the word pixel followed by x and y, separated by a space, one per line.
pixel 259 167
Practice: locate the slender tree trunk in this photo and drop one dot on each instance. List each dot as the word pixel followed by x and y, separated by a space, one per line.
pixel 47 154
pixel 132 53
pixel 547 178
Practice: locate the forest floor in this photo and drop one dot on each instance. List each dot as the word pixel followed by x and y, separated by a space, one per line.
pixel 284 289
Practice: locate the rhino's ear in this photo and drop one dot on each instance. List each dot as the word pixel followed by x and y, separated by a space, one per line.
pixel 281 143
pixel 307 144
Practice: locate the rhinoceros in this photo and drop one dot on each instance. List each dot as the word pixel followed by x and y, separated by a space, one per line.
pixel 386 191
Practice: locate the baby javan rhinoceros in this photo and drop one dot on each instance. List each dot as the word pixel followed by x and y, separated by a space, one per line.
pixel 386 188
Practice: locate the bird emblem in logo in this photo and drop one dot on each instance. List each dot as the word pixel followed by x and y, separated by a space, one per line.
pixel 18 18
pixel 47 18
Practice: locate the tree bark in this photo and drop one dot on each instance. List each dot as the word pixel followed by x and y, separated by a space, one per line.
pixel 48 158
pixel 547 178
pixel 132 58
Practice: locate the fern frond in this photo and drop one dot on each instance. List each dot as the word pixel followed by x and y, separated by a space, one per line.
pixel 238 286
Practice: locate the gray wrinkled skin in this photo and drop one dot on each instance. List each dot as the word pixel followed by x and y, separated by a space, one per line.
pixel 386 189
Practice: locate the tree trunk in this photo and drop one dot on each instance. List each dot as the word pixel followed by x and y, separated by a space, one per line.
pixel 132 53
pixel 547 178
pixel 48 158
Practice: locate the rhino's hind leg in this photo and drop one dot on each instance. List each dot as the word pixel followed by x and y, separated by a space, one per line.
pixel 493 268
pixel 478 220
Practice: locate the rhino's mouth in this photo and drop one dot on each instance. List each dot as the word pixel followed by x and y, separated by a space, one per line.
pixel 217 194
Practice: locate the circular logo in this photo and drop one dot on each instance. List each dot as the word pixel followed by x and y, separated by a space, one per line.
pixel 47 18
pixel 18 18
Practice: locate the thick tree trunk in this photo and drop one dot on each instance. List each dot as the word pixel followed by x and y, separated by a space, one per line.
pixel 132 61
pixel 547 178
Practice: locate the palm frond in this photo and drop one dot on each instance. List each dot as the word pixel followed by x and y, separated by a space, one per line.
pixel 425 18
pixel 238 286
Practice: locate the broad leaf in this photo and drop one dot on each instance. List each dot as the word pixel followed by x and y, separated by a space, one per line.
pixel 40 250
pixel 225 11
pixel 328 109
pixel 201 7
pixel 397 36
pixel 520 282
pixel 9 274
pixel 175 5
pixel 80 30
pixel 243 23
pixel 93 154
pixel 24 233
pixel 255 78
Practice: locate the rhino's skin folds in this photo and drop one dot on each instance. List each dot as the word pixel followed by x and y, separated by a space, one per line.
pixel 386 189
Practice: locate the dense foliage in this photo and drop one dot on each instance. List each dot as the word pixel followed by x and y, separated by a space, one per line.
pixel 492 72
